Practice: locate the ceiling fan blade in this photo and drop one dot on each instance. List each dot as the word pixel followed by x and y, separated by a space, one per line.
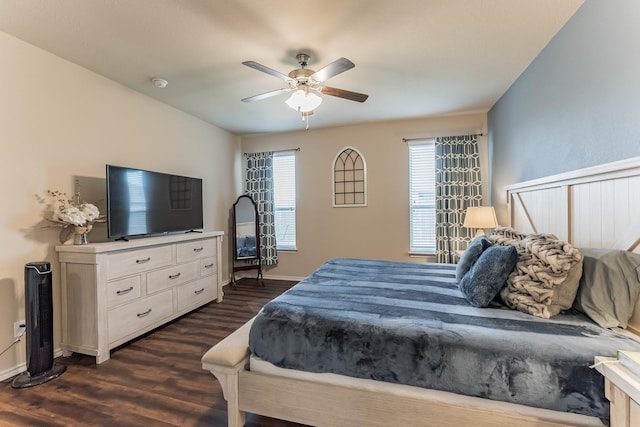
pixel 265 95
pixel 346 94
pixel 336 67
pixel 265 69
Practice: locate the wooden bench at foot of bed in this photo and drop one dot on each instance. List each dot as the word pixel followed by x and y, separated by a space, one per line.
pixel 225 360
pixel 322 402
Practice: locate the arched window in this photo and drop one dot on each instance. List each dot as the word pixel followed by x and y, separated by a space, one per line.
pixel 349 179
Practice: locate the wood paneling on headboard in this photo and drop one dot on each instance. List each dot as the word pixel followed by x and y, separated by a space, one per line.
pixel 597 207
pixel 592 207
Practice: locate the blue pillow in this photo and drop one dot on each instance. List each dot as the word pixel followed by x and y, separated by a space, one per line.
pixel 488 275
pixel 471 255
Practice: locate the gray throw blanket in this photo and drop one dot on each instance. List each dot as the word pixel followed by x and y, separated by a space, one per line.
pixel 547 274
pixel 408 323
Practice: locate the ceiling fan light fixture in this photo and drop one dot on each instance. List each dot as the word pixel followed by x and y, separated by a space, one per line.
pixel 304 101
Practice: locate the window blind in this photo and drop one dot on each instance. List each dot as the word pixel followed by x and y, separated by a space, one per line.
pixel 422 196
pixel 284 188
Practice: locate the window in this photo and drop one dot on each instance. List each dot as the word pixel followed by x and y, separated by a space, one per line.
pixel 422 195
pixel 349 179
pixel 284 195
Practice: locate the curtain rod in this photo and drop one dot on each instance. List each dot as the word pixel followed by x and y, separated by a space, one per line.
pixel 275 151
pixel 431 137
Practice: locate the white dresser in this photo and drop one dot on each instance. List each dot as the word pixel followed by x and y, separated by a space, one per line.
pixel 115 291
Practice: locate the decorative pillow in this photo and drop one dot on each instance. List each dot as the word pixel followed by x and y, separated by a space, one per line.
pixel 565 293
pixel 546 277
pixel 488 275
pixel 609 287
pixel 471 255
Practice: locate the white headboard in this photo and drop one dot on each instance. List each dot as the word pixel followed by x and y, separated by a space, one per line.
pixel 597 207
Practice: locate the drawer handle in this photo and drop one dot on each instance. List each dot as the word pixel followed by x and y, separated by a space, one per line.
pixel 199 291
pixel 124 291
pixel 142 261
pixel 175 276
pixel 198 249
pixel 141 315
pixel 208 265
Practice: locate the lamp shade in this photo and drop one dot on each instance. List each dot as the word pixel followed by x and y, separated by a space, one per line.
pixel 303 102
pixel 480 217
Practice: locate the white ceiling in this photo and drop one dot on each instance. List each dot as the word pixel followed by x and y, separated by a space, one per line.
pixel 414 58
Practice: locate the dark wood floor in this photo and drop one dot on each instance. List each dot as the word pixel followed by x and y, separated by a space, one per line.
pixel 156 380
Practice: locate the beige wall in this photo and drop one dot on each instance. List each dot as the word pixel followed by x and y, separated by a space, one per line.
pixel 378 231
pixel 59 121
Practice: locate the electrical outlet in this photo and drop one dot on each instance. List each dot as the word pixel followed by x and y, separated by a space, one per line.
pixel 19 328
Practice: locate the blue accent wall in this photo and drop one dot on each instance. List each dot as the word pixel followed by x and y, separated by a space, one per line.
pixel 576 105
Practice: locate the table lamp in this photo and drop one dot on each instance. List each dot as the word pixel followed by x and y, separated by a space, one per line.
pixel 480 217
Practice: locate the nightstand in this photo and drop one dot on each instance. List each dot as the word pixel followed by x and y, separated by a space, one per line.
pixel 622 389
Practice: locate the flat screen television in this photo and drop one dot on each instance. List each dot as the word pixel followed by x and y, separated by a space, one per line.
pixel 144 203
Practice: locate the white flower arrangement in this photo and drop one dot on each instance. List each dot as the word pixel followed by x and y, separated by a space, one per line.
pixel 70 213
pixel 75 215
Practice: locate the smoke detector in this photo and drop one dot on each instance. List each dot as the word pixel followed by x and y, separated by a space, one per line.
pixel 159 83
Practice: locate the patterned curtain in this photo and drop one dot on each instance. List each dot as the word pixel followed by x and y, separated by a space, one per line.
pixel 458 186
pixel 259 185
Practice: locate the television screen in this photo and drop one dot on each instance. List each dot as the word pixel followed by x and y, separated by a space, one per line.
pixel 141 202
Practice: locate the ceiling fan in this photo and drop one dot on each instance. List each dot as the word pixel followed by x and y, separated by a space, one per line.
pixel 304 83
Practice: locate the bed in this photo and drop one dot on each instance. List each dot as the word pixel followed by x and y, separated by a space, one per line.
pixel 330 396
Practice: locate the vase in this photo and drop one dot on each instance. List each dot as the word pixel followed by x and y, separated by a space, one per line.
pixel 81 235
pixel 81 239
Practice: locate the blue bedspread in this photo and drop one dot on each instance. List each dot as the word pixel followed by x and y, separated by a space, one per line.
pixel 407 323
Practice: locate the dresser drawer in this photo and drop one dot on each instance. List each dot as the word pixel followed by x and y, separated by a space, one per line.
pixel 123 290
pixel 172 276
pixel 189 251
pixel 132 262
pixel 207 266
pixel 130 318
pixel 197 292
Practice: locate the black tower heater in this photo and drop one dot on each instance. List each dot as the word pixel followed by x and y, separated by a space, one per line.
pixel 38 296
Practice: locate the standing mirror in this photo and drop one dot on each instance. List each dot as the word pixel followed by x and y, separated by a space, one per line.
pixel 246 237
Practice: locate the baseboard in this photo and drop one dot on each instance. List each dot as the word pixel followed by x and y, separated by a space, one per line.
pixel 12 372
